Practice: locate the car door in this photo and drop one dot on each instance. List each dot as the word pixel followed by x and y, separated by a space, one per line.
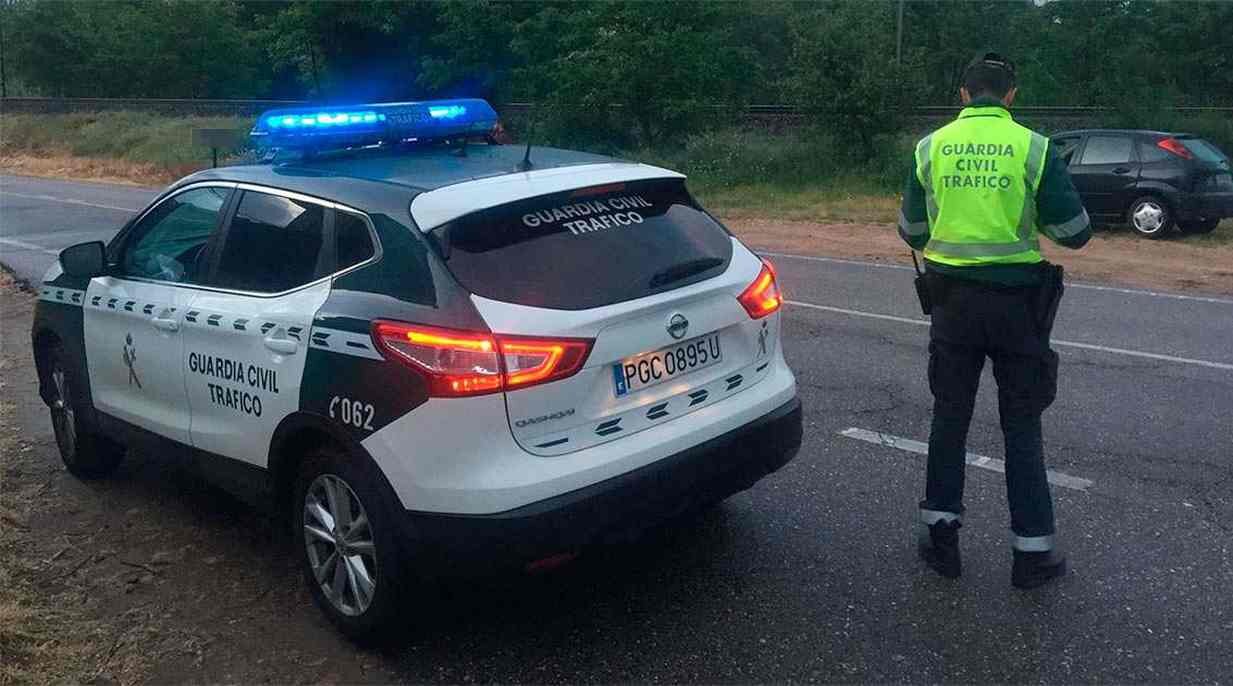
pixel 246 336
pixel 133 317
pixel 1106 172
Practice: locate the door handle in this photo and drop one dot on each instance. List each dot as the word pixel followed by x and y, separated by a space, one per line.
pixel 280 343
pixel 1121 170
pixel 165 324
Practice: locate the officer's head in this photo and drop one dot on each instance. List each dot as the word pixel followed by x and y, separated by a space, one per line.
pixel 989 75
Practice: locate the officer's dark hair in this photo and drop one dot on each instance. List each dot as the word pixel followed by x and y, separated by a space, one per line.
pixel 989 74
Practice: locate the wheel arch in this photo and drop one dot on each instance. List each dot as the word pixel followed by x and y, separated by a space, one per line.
pixel 293 439
pixel 1166 193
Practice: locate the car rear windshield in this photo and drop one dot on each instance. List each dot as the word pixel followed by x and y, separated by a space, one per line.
pixel 1203 150
pixel 588 247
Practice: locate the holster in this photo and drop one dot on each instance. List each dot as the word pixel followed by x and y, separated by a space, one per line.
pixel 1049 296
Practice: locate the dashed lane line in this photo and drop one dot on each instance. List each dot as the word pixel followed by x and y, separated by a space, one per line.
pixel 1061 344
pixel 974 460
pixel 22 245
pixel 68 201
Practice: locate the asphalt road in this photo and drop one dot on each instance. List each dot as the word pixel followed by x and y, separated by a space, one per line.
pixel 811 576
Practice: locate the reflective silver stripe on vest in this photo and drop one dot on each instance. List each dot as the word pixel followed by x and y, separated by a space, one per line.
pixel 1032 544
pixel 931 517
pixel 1033 167
pixel 926 165
pixel 1067 228
pixel 982 249
pixel 908 228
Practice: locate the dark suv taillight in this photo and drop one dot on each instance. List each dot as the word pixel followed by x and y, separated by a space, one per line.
pixel 1176 147
pixel 462 363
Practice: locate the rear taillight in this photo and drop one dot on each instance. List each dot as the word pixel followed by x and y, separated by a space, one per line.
pixel 461 363
pixel 762 297
pixel 1176 147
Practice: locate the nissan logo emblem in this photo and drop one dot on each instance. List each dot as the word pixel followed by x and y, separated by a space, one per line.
pixel 678 325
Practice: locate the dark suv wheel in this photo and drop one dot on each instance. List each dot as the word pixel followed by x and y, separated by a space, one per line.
pixel 1150 217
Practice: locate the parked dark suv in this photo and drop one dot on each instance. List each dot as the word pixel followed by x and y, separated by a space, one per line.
pixel 1151 180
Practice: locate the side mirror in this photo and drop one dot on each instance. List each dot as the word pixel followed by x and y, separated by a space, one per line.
pixel 84 260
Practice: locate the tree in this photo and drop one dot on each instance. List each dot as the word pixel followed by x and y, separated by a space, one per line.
pixel 843 70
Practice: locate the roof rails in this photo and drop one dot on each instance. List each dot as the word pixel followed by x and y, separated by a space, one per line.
pixel 311 130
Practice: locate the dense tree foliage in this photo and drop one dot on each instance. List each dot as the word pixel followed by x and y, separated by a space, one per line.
pixel 666 66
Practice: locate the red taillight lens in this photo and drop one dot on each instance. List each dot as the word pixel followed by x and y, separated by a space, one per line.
pixel 529 361
pixel 762 297
pixel 1176 147
pixel 454 362
pixel 461 363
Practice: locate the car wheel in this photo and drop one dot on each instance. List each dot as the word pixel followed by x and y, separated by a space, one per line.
pixel 1150 217
pixel 348 547
pixel 1200 226
pixel 85 455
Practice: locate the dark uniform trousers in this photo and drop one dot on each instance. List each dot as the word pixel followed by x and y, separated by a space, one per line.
pixel 972 321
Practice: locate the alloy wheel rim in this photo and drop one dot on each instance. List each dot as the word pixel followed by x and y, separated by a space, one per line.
pixel 341 551
pixel 1149 217
pixel 63 419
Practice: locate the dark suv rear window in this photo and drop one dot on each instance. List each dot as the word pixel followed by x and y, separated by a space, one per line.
pixel 586 248
pixel 1203 150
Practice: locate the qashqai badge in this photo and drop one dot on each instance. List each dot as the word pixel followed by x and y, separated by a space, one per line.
pixel 678 325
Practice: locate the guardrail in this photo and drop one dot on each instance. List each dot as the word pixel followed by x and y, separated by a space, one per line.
pixel 216 107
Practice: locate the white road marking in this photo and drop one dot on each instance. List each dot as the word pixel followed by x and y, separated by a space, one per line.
pixel 54 235
pixel 27 246
pixel 68 201
pixel 980 461
pixel 1088 286
pixel 1062 344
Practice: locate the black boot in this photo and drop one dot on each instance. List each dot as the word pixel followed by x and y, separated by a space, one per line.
pixel 940 548
pixel 1036 569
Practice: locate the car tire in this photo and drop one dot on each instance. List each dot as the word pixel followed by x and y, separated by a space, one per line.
pixel 1200 226
pixel 85 454
pixel 348 546
pixel 1150 217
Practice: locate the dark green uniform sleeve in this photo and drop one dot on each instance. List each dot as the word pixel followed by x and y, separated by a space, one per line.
pixel 914 215
pixel 1059 212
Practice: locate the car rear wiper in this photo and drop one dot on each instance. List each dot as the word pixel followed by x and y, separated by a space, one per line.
pixel 684 270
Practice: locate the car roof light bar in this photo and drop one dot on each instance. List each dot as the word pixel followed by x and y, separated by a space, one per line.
pixel 322 128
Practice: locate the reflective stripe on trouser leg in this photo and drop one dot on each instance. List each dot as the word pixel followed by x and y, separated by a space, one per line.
pixel 1032 544
pixel 931 517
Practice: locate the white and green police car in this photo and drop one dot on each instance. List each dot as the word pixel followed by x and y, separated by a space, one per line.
pixel 423 349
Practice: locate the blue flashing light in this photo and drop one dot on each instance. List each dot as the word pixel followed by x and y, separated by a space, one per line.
pixel 320 128
pixel 448 112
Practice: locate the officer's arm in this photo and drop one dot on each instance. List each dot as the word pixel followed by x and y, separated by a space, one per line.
pixel 1059 212
pixel 913 216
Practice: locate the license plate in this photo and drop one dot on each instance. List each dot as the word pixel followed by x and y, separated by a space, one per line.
pixel 649 369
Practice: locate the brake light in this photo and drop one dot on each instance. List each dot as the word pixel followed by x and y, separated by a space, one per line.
pixel 529 361
pixel 464 363
pixel 1176 147
pixel 762 297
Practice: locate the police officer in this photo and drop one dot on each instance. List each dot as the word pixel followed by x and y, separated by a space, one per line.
pixel 981 190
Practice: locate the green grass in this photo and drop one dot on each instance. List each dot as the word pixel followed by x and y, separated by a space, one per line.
pixel 132 136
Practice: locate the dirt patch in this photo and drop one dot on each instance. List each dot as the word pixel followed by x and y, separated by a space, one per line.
pixel 1114 256
pixel 104 170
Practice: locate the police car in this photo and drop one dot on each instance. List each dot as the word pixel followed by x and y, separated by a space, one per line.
pixel 423 347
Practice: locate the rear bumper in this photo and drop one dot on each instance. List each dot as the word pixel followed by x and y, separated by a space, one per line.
pixel 1205 206
pixel 617 507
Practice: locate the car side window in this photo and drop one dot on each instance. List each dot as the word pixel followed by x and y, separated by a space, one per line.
pixel 352 240
pixel 272 244
pixel 1107 150
pixel 169 243
pixel 1150 152
pixel 1066 147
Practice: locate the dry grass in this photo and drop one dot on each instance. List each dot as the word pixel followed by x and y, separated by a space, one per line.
pixel 108 170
